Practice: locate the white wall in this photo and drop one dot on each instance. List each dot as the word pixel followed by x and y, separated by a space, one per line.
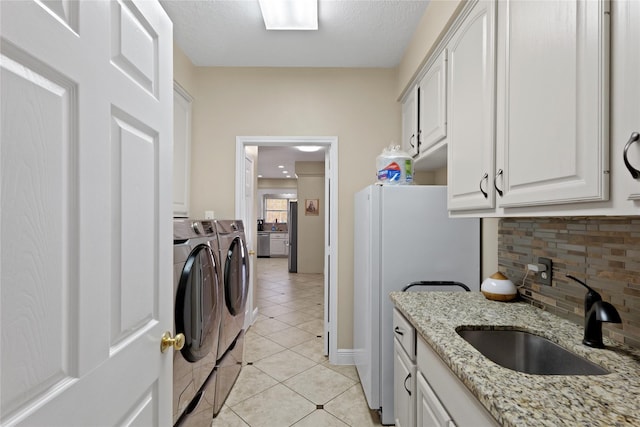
pixel 437 18
pixel 310 227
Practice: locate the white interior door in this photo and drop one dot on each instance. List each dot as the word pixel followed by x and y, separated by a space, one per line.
pixel 86 269
pixel 250 227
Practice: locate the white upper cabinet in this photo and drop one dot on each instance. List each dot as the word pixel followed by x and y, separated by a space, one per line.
pixel 471 110
pixel 553 109
pixel 541 112
pixel 625 117
pixel 424 116
pixel 410 123
pixel 432 102
pixel 181 150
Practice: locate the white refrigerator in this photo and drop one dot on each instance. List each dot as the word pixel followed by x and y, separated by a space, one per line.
pixel 402 234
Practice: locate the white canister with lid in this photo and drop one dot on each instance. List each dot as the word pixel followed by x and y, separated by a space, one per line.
pixel 498 287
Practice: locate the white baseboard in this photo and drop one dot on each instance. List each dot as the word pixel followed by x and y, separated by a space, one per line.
pixel 250 318
pixel 344 356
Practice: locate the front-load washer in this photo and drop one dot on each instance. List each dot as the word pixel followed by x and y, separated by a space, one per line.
pixel 198 301
pixel 235 283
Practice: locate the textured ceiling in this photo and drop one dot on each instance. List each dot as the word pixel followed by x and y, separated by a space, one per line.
pixel 351 33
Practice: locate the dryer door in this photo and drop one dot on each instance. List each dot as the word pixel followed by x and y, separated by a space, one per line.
pixel 197 311
pixel 236 276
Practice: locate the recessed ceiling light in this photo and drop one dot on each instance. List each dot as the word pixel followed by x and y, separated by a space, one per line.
pixel 290 14
pixel 281 166
pixel 288 176
pixel 259 176
pixel 285 171
pixel 309 148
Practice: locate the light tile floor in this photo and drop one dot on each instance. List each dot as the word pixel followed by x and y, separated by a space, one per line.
pixel 286 380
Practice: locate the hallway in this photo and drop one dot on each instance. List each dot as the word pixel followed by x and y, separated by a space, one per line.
pixel 286 381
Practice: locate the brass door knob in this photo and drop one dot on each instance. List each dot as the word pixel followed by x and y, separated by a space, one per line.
pixel 252 252
pixel 177 343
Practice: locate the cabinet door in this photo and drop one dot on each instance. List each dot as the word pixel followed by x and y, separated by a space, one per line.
pixel 471 110
pixel 432 109
pixel 274 247
pixel 430 411
pixel 181 150
pixel 404 384
pixel 553 140
pixel 625 117
pixel 278 244
pixel 410 123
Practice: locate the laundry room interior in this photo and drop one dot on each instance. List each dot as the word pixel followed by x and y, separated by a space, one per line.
pixel 376 216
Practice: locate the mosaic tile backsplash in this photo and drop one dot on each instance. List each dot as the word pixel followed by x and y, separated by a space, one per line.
pixel 604 252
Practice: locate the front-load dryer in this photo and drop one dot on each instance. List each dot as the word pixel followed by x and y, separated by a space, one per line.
pixel 198 304
pixel 235 284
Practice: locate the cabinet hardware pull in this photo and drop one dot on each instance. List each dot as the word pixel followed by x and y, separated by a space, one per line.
pixel 405 384
pixel 419 138
pixel 398 331
pixel 485 176
pixel 495 182
pixel 411 139
pixel 635 173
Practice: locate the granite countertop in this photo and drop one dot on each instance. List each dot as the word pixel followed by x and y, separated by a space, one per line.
pixel 519 399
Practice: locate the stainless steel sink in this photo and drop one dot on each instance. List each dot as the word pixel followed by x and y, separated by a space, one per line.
pixel 528 353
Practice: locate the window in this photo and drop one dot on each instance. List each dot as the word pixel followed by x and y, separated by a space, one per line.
pixel 275 208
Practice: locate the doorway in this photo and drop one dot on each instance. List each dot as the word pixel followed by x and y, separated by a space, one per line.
pixel 246 144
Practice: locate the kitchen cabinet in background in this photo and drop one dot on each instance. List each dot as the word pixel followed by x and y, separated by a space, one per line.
pixel 279 244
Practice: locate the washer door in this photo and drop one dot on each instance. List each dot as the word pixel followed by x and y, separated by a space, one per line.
pixel 236 276
pixel 197 311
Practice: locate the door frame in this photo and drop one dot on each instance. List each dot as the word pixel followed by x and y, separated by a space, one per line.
pixel 330 221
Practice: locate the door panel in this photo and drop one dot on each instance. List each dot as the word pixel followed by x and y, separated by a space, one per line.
pixel 470 110
pixel 250 229
pixel 134 46
pixel 86 212
pixel 433 104
pixel 38 107
pixel 556 137
pixel 133 162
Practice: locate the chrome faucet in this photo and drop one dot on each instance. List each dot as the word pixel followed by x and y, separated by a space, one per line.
pixel 596 312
